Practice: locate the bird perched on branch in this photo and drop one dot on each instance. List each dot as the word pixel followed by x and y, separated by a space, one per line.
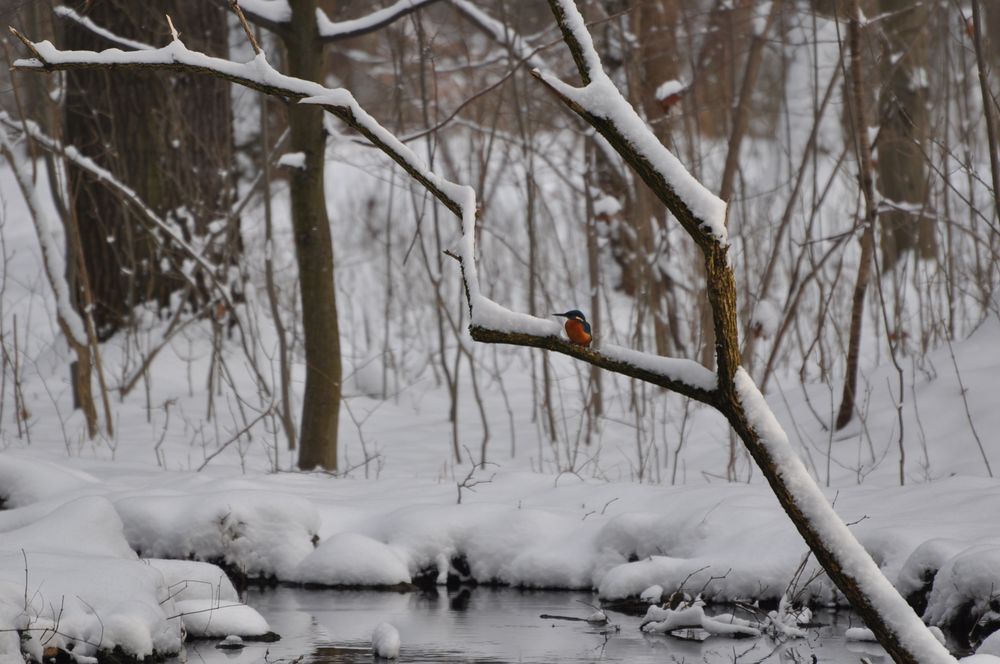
pixel 577 327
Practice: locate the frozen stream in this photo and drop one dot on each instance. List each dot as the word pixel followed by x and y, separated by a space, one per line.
pixel 498 625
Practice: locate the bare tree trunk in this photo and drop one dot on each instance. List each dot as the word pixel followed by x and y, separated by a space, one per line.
pixel 865 176
pixel 147 131
pixel 989 106
pixel 903 131
pixel 658 62
pixel 313 250
pixel 741 114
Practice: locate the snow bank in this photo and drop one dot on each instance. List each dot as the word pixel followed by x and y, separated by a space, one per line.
pixel 350 559
pixel 78 573
pixel 965 584
pixel 990 645
pixel 259 534
pixel 23 482
pixel 725 541
pixel 206 618
pixel 192 580
pixel 70 580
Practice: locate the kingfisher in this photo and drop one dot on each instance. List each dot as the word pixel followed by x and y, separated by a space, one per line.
pixel 577 327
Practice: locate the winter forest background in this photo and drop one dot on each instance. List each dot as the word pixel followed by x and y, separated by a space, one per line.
pixel 205 289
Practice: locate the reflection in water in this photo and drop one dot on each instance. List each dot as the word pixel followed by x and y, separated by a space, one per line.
pixel 494 625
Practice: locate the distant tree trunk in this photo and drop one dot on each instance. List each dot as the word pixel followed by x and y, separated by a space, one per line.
pixel 314 250
pixel 717 78
pixel 989 104
pixel 903 130
pixel 658 62
pixel 166 137
pixel 863 149
pixel 991 30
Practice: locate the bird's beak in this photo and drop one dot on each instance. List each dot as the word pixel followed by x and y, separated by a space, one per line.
pixel 563 315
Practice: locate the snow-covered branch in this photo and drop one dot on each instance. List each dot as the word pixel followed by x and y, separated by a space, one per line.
pixel 275 14
pixel 71 15
pixel 500 32
pixel 701 212
pixel 72 154
pixel 48 240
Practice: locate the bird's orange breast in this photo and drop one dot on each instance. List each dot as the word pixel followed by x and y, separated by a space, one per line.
pixel 577 332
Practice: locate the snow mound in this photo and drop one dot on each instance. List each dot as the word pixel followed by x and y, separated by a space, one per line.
pixel 385 641
pixel 190 579
pixel 965 583
pixel 26 481
pixel 652 594
pixel 208 618
pixel 261 534
pixel 83 577
pixel 350 559
pixel 87 526
pixel 917 573
pixel 990 645
pixel 206 600
pixel 99 603
pixel 860 634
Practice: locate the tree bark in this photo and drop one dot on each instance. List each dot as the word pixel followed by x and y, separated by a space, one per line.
pixel 989 109
pixel 313 250
pixel 148 130
pixel 903 131
pixel 863 149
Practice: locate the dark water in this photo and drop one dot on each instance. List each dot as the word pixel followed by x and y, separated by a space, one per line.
pixel 500 625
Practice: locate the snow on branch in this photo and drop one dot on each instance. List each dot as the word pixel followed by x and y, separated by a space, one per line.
pixel 490 322
pixel 500 32
pixel 702 213
pixel 274 14
pixel 105 176
pixel 878 593
pixel 335 30
pixel 67 13
pixel 48 240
